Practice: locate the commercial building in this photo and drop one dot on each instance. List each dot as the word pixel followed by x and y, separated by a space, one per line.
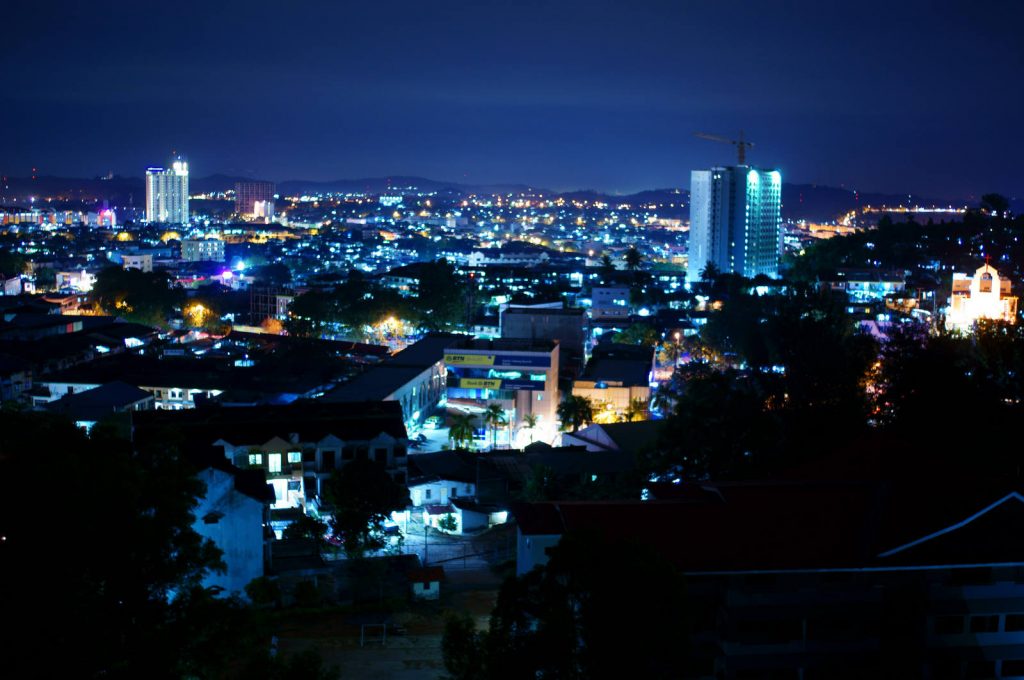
pixel 255 200
pixel 167 193
pixel 567 326
pixel 617 381
pixel 519 375
pixel 415 378
pixel 609 303
pixel 735 221
pixel 202 250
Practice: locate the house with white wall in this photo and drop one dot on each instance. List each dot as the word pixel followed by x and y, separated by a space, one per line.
pixel 232 515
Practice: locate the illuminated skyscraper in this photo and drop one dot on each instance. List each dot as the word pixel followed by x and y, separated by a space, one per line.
pixel 735 221
pixel 255 200
pixel 167 193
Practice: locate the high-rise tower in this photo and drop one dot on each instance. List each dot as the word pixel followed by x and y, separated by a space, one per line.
pixel 735 221
pixel 167 193
pixel 255 200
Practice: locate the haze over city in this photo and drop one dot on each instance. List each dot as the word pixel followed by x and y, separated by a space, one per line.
pixel 908 97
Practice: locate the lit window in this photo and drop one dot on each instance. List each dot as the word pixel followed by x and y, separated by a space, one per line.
pixel 255 459
pixel 274 463
pixel 294 456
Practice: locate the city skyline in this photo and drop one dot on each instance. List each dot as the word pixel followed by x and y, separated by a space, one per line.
pixel 910 98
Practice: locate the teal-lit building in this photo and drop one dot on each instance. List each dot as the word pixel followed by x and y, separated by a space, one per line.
pixel 735 221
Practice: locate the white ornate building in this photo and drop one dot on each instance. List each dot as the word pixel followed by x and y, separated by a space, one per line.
pixel 985 295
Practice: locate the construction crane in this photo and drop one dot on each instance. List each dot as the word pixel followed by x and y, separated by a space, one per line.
pixel 740 144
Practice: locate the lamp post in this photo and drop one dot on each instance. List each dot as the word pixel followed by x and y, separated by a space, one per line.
pixel 425 544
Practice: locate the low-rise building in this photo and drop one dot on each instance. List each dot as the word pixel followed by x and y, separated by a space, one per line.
pixel 141 261
pixel 521 376
pixel 233 513
pixel 826 579
pixel 617 380
pixel 414 377
pixel 298 446
pixel 202 250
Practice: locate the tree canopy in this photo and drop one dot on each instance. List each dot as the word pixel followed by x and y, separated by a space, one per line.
pixel 118 593
pixel 574 617
pixel 145 297
pixel 575 411
pixel 363 495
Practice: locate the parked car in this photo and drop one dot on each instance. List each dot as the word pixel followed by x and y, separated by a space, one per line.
pixel 433 423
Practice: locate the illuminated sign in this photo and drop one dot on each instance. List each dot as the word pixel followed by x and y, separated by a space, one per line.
pixel 469 359
pixel 504 360
pixel 480 383
pixel 493 384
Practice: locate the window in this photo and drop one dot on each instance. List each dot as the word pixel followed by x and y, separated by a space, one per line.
pixel 255 459
pixel 426 586
pixel 469 488
pixel 427 494
pixel 380 455
pixel 454 492
pixel 1014 623
pixel 295 456
pixel 274 463
pixel 984 624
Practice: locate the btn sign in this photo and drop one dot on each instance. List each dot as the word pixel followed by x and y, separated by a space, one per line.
pixel 469 359
pixel 480 383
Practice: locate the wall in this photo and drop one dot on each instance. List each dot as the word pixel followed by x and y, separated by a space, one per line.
pixel 239 533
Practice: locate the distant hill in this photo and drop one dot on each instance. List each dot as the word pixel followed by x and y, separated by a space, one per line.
pixel 799 201
pixel 820 203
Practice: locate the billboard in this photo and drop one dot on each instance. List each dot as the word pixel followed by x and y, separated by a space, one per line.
pixel 498 384
pixel 503 360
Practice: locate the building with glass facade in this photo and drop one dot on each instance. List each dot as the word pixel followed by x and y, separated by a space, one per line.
pixel 167 194
pixel 735 221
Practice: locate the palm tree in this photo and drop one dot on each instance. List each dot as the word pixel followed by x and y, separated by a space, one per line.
pixel 710 272
pixel 637 409
pixel 607 266
pixel 575 411
pixel 671 352
pixel 530 422
pixel 633 258
pixel 461 430
pixel 494 417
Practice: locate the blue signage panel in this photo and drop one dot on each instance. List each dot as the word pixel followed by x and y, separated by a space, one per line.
pixel 523 360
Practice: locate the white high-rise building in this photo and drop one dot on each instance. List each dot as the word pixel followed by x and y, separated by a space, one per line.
pixel 735 221
pixel 167 193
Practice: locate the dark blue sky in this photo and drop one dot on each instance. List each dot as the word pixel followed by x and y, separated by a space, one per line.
pixel 888 96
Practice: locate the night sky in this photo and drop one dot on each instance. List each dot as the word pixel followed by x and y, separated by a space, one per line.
pixel 890 96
